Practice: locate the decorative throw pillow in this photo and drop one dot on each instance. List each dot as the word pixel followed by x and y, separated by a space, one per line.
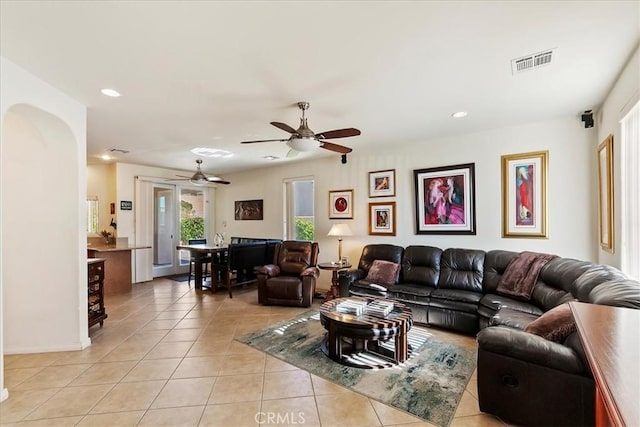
pixel 554 325
pixel 383 272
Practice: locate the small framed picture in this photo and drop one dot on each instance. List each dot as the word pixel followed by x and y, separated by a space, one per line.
pixel 382 219
pixel 524 195
pixel 341 204
pixel 248 210
pixel 382 183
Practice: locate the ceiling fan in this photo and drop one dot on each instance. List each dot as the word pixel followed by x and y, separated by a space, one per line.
pixel 199 178
pixel 304 139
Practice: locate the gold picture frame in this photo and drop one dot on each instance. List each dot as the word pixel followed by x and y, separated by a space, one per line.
pixel 605 193
pixel 524 195
pixel 382 218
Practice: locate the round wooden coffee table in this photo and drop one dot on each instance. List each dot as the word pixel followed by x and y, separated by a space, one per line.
pixel 349 336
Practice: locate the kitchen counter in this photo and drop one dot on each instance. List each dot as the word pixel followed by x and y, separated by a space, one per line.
pixel 113 248
pixel 117 264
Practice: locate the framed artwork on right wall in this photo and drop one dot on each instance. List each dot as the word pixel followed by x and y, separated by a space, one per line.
pixel 524 195
pixel 605 193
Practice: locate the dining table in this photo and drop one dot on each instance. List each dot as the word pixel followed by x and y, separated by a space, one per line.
pixel 199 251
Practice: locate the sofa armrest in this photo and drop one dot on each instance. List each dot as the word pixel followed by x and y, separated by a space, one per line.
pixel 310 271
pixel 530 348
pixel 269 270
pixel 348 277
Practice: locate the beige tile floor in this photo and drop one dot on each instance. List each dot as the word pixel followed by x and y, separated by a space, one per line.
pixel 166 356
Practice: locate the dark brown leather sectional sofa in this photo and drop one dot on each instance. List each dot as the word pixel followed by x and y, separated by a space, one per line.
pixel 522 378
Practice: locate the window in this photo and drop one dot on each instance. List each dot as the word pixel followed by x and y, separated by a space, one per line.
pixel 92 215
pixel 630 203
pixel 299 218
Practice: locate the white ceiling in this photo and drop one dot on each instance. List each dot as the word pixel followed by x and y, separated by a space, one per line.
pixel 212 73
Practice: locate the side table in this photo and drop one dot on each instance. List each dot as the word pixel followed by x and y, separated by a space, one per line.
pixel 334 267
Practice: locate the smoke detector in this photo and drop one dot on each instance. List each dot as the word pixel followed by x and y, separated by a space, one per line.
pixel 533 61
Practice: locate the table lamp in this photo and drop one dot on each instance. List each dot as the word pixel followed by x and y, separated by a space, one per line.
pixel 339 230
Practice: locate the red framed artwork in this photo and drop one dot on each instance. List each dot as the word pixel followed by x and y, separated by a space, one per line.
pixel 524 194
pixel 341 204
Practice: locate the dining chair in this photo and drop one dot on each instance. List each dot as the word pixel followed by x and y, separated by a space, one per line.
pixel 205 261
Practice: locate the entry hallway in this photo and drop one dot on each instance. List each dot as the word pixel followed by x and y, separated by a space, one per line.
pixel 167 356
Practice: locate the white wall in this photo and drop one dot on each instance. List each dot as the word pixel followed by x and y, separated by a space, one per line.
pixel 572 220
pixel 101 183
pixel 624 94
pixel 43 270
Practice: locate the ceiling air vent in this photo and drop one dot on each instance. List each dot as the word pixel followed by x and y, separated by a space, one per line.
pixel 532 61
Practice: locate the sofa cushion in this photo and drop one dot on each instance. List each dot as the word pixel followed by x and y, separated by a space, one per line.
pixel 454 299
pixel 619 293
pixel 521 274
pixel 386 252
pixel 495 263
pixel 413 289
pixel 421 264
pixel 461 269
pixel 512 318
pixel 593 278
pixel 383 272
pixel 495 302
pixel 554 325
pixel 366 288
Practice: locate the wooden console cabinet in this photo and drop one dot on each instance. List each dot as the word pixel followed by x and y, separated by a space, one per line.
pixel 97 312
pixel 611 342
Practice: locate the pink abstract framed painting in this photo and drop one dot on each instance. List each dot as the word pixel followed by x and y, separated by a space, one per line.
pixel 524 194
pixel 445 200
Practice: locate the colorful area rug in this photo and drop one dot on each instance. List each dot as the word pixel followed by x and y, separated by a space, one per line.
pixel 428 385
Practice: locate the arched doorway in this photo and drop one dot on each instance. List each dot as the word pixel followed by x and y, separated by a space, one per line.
pixel 43 285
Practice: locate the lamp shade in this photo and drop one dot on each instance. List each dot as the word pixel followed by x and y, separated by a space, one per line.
pixel 340 230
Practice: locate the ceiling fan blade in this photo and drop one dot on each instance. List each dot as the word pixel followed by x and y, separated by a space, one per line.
pixel 335 147
pixel 292 153
pixel 263 140
pixel 217 180
pixel 338 133
pixel 185 177
pixel 285 127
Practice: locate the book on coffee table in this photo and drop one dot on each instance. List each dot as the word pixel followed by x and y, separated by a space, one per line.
pixel 351 307
pixel 379 308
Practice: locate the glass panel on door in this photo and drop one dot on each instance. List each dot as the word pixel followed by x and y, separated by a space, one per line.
pixel 163 229
pixel 192 218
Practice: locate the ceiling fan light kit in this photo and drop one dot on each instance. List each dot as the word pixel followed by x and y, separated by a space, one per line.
pixel 304 139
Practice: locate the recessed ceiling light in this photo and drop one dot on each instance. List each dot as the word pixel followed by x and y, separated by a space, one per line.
pixel 459 114
pixel 212 152
pixel 106 157
pixel 110 92
pixel 271 157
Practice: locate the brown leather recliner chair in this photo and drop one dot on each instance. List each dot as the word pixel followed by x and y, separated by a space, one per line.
pixel 291 279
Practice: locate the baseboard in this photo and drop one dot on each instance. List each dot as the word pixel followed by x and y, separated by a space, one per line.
pixel 86 342
pixel 4 394
pixel 43 349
